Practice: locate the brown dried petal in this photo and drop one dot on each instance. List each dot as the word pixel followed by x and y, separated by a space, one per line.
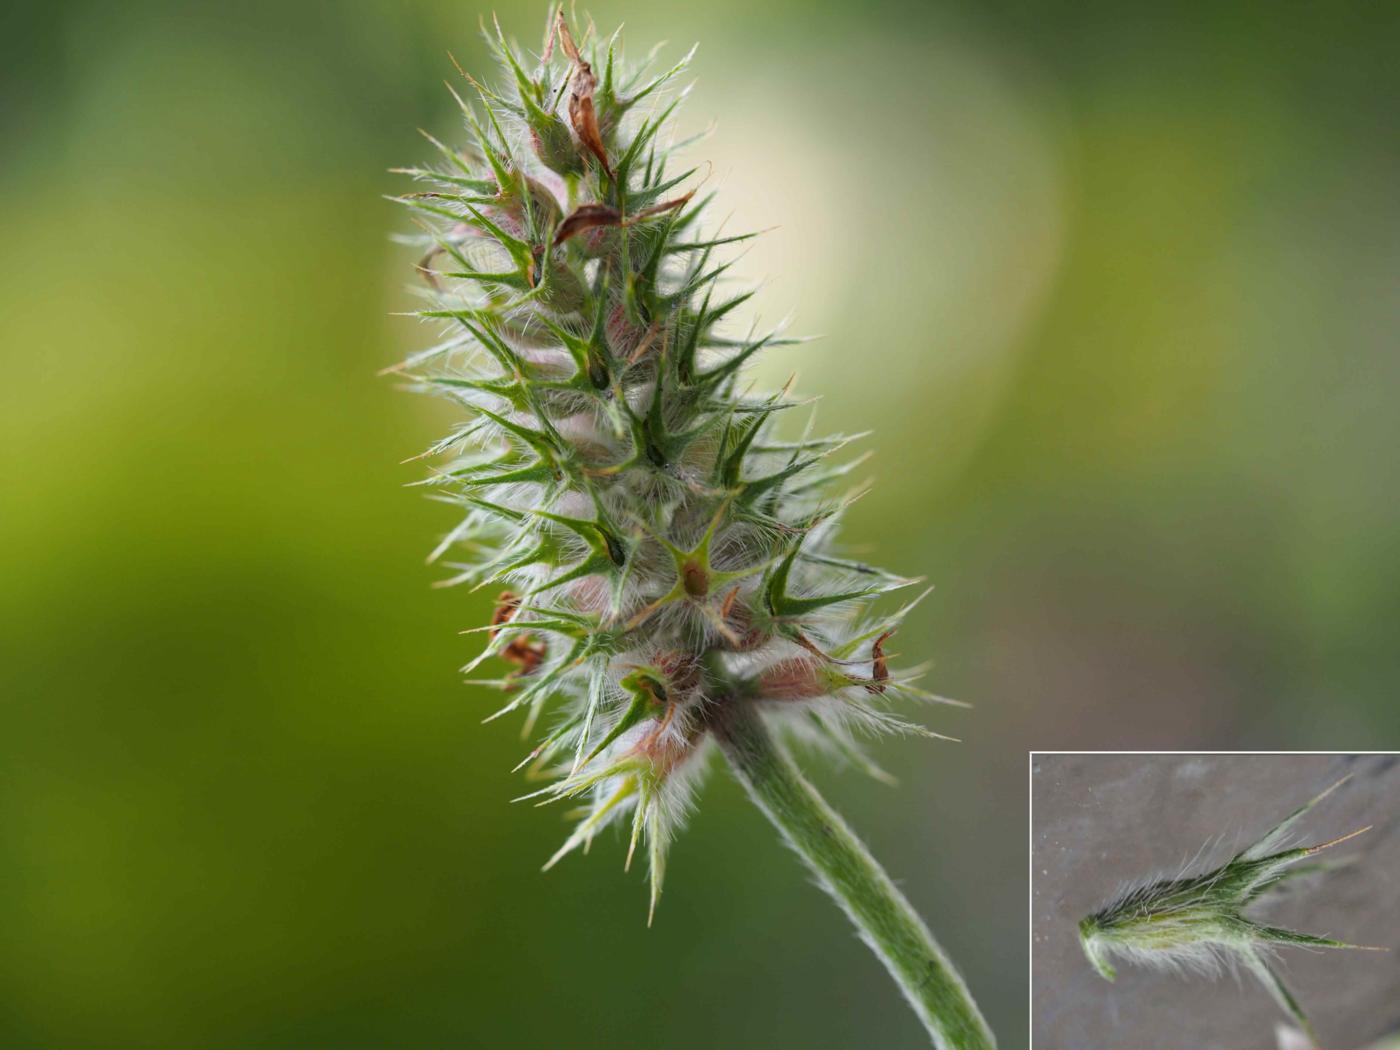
pixel 566 38
pixel 593 216
pixel 880 668
pixel 526 653
pixel 587 217
pixel 657 209
pixel 507 604
pixel 581 114
pixel 585 123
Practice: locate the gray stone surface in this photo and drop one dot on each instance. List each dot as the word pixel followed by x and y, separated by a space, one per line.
pixel 1102 820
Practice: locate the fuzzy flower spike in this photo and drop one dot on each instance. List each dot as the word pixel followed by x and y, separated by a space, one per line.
pixel 668 565
pixel 1197 922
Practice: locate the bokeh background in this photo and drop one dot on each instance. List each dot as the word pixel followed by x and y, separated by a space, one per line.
pixel 1115 283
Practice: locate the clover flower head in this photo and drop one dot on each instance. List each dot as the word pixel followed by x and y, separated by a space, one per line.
pixel 663 554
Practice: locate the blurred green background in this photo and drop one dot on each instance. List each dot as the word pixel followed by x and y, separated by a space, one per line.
pixel 1115 283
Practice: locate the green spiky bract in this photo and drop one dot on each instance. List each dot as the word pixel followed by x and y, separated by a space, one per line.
pixel 1197 922
pixel 669 562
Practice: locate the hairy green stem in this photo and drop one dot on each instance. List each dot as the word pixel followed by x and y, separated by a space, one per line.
pixel 886 920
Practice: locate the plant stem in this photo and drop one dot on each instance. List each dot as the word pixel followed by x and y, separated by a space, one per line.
pixel 886 920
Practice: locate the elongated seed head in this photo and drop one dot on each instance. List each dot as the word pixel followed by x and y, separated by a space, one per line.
pixel 660 549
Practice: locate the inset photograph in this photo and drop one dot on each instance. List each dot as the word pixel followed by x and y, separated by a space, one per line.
pixel 1223 901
